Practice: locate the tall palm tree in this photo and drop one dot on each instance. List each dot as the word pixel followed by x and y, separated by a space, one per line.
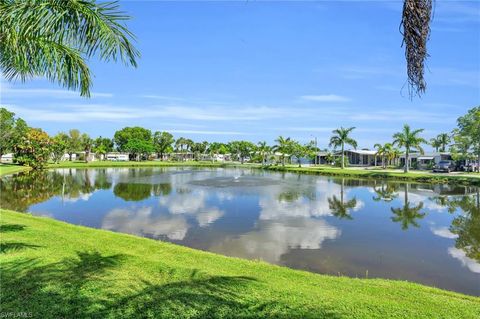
pixel 443 141
pixel 55 39
pixel 410 140
pixel 264 150
pixel 340 138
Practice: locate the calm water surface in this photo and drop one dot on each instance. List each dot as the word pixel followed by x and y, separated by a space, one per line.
pixel 424 233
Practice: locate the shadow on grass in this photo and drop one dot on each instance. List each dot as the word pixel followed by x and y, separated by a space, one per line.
pixel 11 228
pixel 86 286
pixel 15 246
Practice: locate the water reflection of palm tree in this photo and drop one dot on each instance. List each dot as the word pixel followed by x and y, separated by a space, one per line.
pixel 407 215
pixel 386 192
pixel 467 225
pixel 338 207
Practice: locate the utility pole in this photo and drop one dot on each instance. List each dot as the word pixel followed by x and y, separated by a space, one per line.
pixel 316 149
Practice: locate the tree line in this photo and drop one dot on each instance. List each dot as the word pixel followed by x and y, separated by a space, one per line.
pixel 34 147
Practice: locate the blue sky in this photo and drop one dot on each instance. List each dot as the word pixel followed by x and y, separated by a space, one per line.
pixel 256 70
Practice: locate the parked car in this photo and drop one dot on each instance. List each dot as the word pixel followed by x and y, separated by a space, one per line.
pixel 444 166
pixel 471 167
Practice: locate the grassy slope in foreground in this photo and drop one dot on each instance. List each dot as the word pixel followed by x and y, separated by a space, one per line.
pixel 52 269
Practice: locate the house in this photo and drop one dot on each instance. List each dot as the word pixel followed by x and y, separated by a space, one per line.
pixel 426 160
pixel 360 157
pixel 66 157
pixel 321 158
pixel 117 157
pixel 7 158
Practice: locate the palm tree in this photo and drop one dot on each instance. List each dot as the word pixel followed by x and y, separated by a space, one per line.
pixel 384 151
pixel 264 150
pixel 435 143
pixel 330 158
pixel 407 215
pixel 283 146
pixel 395 155
pixel 55 39
pixel 443 140
pixel 409 139
pixel 340 138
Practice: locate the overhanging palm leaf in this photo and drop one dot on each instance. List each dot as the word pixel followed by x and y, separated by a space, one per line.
pixel 53 38
pixel 415 26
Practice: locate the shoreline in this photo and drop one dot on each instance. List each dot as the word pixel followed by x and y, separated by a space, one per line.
pixel 466 179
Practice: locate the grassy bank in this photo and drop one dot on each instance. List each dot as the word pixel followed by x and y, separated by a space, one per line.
pixel 56 270
pixel 413 176
pixel 7 169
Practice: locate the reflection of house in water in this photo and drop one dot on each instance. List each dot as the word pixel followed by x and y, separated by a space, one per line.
pixel 441 189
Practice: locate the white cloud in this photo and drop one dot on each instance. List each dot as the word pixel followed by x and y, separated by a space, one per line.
pixel 60 94
pixel 208 132
pixel 459 254
pixel 325 98
pixel 107 112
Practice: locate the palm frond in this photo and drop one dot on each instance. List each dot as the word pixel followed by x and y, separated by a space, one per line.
pixel 80 28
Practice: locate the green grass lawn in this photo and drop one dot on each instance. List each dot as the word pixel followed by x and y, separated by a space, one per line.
pixel 6 169
pixel 51 269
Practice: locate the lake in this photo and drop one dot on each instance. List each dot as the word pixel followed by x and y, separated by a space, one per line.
pixel 423 233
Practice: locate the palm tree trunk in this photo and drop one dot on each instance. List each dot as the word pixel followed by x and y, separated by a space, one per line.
pixel 343 156
pixel 478 162
pixel 405 168
pixel 406 194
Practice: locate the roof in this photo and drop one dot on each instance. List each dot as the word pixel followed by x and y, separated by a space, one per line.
pixel 430 154
pixel 425 157
pixel 362 152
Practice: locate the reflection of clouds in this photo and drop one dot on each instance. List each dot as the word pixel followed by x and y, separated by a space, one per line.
pixel 359 205
pixel 184 203
pixel 82 196
pixel 192 203
pixel 142 222
pixel 272 208
pixel 272 239
pixel 443 232
pixel 416 199
pixel 208 217
pixel 286 224
pixel 459 254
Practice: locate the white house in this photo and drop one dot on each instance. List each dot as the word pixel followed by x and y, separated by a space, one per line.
pixel 66 157
pixel 7 158
pixel 426 160
pixel 360 157
pixel 117 157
